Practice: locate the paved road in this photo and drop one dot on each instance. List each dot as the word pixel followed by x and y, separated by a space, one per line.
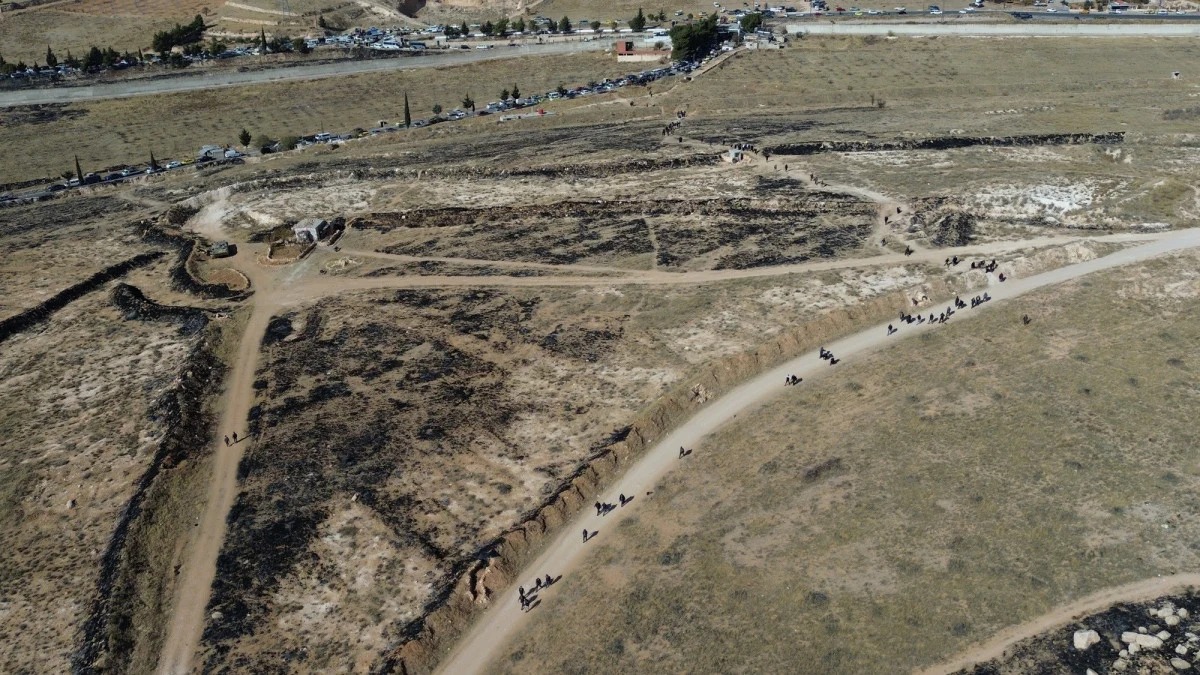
pixel 314 72
pixel 1023 29
pixel 501 622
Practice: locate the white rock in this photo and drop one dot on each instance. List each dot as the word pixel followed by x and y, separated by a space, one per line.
pixel 1124 653
pixel 1149 641
pixel 1120 664
pixel 1180 664
pixel 70 503
pixel 1142 630
pixel 1171 620
pixel 1085 639
pixel 1091 672
pixel 1181 650
pixel 1182 612
pixel 1134 648
pixel 1129 637
pixel 216 616
pixel 1164 635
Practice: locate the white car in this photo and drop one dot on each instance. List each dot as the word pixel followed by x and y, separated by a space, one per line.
pixel 872 12
pixel 174 165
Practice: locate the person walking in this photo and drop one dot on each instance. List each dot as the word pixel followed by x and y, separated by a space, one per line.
pixel 227 441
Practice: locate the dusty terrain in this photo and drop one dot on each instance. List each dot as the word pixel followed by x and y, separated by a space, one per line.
pixel 508 300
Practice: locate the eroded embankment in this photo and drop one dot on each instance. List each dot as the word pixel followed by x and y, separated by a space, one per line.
pixel 42 312
pixel 947 143
pixel 127 610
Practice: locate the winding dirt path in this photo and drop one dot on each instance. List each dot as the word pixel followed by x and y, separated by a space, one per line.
pixel 199 570
pixel 1146 589
pixel 499 623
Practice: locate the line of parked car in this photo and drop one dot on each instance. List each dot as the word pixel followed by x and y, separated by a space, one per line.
pixel 212 155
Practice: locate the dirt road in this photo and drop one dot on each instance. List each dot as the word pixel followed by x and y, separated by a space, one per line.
pixel 234 78
pixel 1146 589
pixel 196 576
pixel 504 618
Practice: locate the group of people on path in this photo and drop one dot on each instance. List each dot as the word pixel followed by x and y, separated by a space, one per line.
pixel 828 355
pixel 530 600
pixel 792 380
pixel 235 439
pixel 941 317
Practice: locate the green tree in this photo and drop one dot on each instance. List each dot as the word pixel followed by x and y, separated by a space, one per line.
pixel 263 143
pixel 464 29
pixel 94 59
pixel 562 91
pixel 262 40
pixel 153 162
pixel 692 41
pixel 503 94
pixel 300 45
pixel 437 108
pixel 662 15
pixel 288 142
pixel 321 22
pixel 51 59
pixel 71 61
pixel 519 24
pixel 595 26
pixel 407 115
pixel 638 23
pixel 244 137
pixel 487 28
pixel 215 47
pixel 564 25
pixel 468 102
pixel 501 27
pixel 751 22
pixel 613 25
pixel 516 93
pixel 78 170
pixel 451 32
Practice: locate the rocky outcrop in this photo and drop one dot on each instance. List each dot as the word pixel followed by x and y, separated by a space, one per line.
pixel 946 143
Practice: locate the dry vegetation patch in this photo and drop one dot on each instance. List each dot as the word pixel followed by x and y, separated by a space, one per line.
pixel 76 433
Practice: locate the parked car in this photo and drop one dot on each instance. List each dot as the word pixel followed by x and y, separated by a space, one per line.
pixel 173 165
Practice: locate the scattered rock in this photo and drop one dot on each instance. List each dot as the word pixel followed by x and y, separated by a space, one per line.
pixel 1129 637
pixel 1181 650
pixel 1180 664
pixel 1182 613
pixel 1123 653
pixel 1163 635
pixel 1120 664
pixel 70 503
pixel 1134 648
pixel 216 616
pixel 1090 672
pixel 1085 639
pixel 1142 630
pixel 1171 621
pixel 1149 642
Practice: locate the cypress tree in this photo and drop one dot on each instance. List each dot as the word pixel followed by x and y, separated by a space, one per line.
pixel 78 170
pixel 407 116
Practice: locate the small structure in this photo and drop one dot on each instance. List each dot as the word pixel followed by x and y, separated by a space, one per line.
pixel 733 156
pixel 311 229
pixel 220 249
pixel 628 51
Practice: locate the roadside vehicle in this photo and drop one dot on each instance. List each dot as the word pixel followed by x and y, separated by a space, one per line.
pixel 173 165
pixel 934 9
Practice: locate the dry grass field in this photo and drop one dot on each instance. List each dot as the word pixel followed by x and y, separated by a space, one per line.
pixel 77 421
pixel 178 10
pixel 25 35
pixel 108 133
pixel 887 516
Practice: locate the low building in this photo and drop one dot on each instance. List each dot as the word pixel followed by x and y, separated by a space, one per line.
pixel 311 229
pixel 630 51
pixel 220 249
